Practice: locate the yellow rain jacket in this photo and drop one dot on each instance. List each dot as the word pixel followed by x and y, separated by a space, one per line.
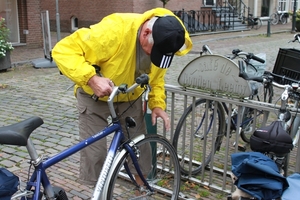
pixel 111 44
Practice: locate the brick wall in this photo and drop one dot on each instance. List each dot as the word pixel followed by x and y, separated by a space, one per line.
pixel 29 15
pixel 22 14
pixel 92 11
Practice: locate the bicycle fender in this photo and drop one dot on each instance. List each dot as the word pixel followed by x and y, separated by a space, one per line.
pixel 116 160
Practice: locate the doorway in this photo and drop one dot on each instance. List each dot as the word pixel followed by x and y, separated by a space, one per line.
pixel 9 11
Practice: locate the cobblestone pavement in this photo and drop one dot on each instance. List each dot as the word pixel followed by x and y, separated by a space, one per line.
pixel 26 91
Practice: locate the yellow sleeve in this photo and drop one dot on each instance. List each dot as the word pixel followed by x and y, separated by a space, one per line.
pixel 69 57
pixel 157 95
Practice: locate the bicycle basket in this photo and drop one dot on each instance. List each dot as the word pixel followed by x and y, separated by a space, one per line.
pixel 8 184
pixel 272 138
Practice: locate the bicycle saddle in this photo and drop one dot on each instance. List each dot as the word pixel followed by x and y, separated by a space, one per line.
pixel 18 133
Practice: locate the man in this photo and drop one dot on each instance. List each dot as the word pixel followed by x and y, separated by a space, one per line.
pixel 124 45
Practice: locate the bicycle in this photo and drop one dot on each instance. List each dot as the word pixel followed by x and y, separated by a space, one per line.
pixel 290 91
pixel 195 114
pixel 279 16
pixel 117 177
pixel 252 22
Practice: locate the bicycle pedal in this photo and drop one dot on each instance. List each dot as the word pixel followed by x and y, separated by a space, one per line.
pixel 242 148
pixel 144 197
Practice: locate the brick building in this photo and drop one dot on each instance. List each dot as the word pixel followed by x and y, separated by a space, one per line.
pixel 24 21
pixel 24 16
pixel 84 13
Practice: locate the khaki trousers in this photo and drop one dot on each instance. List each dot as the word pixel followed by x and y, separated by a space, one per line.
pixel 93 117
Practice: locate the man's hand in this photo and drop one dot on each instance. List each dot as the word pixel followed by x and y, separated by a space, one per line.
pixel 101 86
pixel 158 112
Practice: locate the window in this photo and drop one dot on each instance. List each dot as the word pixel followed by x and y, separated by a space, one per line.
pixel 74 23
pixel 282 5
pixel 291 7
pixel 209 2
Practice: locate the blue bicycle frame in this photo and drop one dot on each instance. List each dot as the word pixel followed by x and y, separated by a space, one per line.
pixel 39 176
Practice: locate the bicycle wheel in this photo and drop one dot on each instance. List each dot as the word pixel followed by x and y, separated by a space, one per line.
pixel 283 19
pixel 257 23
pixel 274 18
pixel 250 23
pixel 164 175
pixel 191 143
pixel 247 124
pixel 249 114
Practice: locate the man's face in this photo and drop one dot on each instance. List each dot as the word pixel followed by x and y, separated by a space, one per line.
pixel 146 39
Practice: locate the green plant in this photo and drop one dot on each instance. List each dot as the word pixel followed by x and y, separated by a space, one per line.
pixel 5 46
pixel 298 15
pixel 164 2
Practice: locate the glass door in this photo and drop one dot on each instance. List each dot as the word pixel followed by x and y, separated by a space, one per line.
pixel 8 10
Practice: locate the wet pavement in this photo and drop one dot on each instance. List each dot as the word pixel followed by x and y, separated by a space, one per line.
pixel 26 91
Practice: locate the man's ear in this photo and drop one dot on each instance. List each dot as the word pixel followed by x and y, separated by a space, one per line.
pixel 147 31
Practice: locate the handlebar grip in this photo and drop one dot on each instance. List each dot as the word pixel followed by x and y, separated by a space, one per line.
pixel 257 59
pixel 142 79
pixel 246 76
pixel 236 51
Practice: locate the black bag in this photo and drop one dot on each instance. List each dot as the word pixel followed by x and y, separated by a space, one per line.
pixel 8 184
pixel 272 138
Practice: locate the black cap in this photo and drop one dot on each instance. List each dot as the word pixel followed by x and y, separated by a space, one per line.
pixel 168 35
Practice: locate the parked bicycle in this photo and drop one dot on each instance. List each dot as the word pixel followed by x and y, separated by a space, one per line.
pixel 252 22
pixel 279 16
pixel 276 140
pixel 195 115
pixel 277 143
pixel 215 113
pixel 117 178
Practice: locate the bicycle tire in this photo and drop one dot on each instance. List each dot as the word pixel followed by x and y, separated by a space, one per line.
pixel 181 140
pixel 274 18
pixel 248 116
pixel 257 24
pixel 250 23
pixel 283 20
pixel 247 130
pixel 167 173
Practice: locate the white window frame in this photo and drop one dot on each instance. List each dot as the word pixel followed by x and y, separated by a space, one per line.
pixel 282 5
pixel 214 3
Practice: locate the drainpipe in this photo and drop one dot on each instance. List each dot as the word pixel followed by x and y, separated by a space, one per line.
pixel 255 9
pixel 57 22
pixel 294 17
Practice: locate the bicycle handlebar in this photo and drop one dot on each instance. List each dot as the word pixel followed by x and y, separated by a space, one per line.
pixel 267 76
pixel 238 52
pixel 142 80
pixel 248 77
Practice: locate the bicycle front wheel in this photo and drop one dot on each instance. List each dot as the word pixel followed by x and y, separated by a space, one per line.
pixel 257 23
pixel 283 19
pixel 247 128
pixel 274 19
pixel 163 176
pixel 252 118
pixel 194 138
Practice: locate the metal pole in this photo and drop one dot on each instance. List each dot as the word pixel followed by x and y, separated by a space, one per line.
pixel 57 22
pixel 294 17
pixel 151 130
pixel 269 28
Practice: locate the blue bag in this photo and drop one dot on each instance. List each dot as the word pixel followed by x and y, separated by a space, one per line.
pixel 258 175
pixel 293 191
pixel 8 184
